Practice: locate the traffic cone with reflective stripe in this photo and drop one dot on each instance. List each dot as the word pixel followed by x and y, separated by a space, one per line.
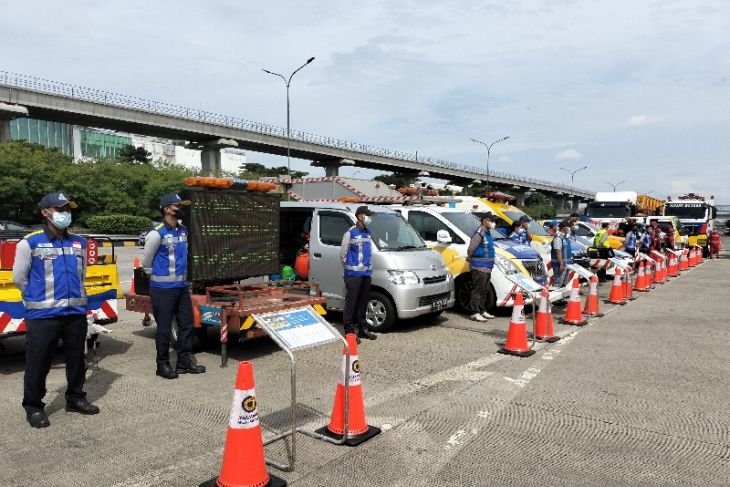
pixel 516 343
pixel 358 430
pixel 134 266
pixel 700 256
pixel 591 306
pixel 544 320
pixel 573 315
pixel 672 269
pixel 642 284
pixel 691 260
pixel 660 277
pixel 618 294
pixel 629 285
pixel 683 261
pixel 244 464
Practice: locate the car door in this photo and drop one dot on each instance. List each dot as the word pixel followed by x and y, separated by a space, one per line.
pixel 325 266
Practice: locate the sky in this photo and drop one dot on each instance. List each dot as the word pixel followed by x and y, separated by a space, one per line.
pixel 634 90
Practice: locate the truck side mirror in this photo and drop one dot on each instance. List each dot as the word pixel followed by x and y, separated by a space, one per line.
pixel 443 237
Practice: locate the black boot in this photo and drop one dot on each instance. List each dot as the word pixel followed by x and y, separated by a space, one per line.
pixel 365 333
pixel 166 371
pixel 187 365
pixel 37 419
pixel 81 406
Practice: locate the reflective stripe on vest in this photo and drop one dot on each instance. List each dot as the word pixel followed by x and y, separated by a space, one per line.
pixel 56 303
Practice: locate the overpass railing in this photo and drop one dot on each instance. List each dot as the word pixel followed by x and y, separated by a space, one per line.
pixel 41 85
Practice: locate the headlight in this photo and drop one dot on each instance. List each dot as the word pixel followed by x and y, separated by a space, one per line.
pixel 403 277
pixel 506 265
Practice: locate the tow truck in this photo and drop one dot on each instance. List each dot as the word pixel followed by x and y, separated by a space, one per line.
pixel 696 215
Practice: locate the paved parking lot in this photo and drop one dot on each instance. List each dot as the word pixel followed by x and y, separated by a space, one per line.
pixel 639 397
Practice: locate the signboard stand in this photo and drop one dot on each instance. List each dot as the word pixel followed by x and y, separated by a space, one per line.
pixel 294 330
pixel 533 289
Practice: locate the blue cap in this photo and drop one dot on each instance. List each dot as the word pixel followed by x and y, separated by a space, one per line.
pixel 552 223
pixel 56 200
pixel 172 199
pixel 524 218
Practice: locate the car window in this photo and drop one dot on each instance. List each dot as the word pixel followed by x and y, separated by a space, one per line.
pixel 332 227
pixel 427 225
pixel 582 231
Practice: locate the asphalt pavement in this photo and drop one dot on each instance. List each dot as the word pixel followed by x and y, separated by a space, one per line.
pixel 637 398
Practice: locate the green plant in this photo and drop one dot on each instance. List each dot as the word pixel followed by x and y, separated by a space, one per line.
pixel 118 224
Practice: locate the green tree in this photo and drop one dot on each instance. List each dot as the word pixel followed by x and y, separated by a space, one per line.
pixel 254 170
pixel 396 179
pixel 134 155
pixel 538 206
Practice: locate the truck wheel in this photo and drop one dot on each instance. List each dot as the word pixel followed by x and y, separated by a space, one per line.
pixel 380 313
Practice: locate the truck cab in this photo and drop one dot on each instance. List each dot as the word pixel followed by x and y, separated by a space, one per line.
pixel 696 216
pixel 409 279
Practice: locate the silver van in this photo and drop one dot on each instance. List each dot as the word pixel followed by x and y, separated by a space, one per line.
pixel 409 279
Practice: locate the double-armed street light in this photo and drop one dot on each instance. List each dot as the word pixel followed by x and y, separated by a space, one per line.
pixel 572 175
pixel 615 185
pixel 489 149
pixel 287 82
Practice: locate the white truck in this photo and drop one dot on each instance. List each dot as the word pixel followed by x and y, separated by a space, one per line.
pixel 696 216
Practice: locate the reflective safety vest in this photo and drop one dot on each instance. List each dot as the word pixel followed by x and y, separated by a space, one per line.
pixel 601 239
pixel 358 262
pixel 630 243
pixel 170 263
pixel 484 254
pixel 56 279
pixel 566 250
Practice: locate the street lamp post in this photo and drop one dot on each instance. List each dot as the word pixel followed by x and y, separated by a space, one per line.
pixel 287 82
pixel 615 185
pixel 572 175
pixel 489 149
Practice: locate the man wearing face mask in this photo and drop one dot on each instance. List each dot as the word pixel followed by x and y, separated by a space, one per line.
pixel 481 260
pixel 356 256
pixel 561 254
pixel 49 270
pixel 165 258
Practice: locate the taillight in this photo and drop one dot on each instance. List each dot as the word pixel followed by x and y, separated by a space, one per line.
pixel 703 229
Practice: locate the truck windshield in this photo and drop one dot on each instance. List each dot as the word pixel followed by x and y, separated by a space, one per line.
pixel 468 224
pixel 391 233
pixel 618 211
pixel 686 211
pixel 533 227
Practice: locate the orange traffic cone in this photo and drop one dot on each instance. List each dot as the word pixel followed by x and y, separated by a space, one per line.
pixel 591 306
pixel 642 283
pixel 134 266
pixel 672 269
pixel 700 256
pixel 544 320
pixel 629 286
pixel 691 260
pixel 517 334
pixel 618 293
pixel 683 261
pixel 243 456
pixel 358 430
pixel 660 275
pixel 573 315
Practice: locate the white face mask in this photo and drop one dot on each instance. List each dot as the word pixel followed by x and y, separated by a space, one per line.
pixel 61 219
pixel 368 220
pixel 491 225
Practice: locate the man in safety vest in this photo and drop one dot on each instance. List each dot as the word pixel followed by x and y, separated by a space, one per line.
pixel 561 254
pixel 356 256
pixel 165 259
pixel 49 270
pixel 600 241
pixel 481 260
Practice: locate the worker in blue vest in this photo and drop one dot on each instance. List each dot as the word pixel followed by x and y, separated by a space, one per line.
pixel 49 270
pixel 561 254
pixel 480 254
pixel 165 259
pixel 356 256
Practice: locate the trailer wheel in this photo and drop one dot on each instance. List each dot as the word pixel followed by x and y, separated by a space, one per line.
pixel 198 336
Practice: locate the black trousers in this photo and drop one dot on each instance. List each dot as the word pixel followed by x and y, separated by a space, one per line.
pixel 41 340
pixel 356 302
pixel 169 304
pixel 479 290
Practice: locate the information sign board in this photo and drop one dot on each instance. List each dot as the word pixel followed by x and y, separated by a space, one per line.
pixel 582 271
pixel 525 282
pixel 296 329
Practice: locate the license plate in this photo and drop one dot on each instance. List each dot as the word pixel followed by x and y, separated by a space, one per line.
pixel 439 304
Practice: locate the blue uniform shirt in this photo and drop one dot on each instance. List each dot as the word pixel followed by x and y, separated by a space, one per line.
pixel 166 256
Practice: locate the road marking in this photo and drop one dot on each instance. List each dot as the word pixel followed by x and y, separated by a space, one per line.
pixel 526 377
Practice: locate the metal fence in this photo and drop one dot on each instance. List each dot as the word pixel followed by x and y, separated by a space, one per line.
pixel 41 85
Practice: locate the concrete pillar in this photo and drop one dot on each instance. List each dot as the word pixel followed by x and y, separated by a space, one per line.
pixel 574 205
pixel 332 166
pixel 210 159
pixel 4 130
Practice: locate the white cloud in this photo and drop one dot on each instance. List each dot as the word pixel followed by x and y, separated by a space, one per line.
pixel 643 120
pixel 569 155
pixel 504 160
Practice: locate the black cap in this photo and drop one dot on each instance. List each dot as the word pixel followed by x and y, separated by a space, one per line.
pixel 564 224
pixel 524 218
pixel 56 200
pixel 172 199
pixel 487 216
pixel 363 209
